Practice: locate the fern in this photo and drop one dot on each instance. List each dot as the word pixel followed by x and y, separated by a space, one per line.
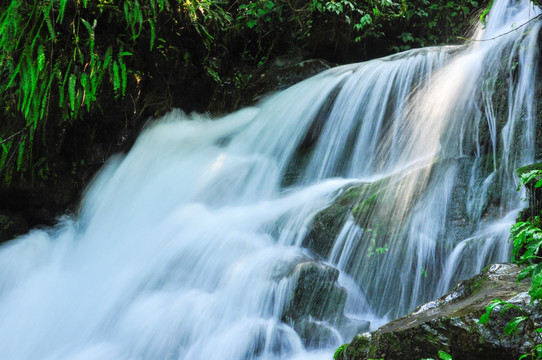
pixel 153 33
pixel 61 10
pixel 6 146
pixel 116 78
pixel 20 154
pixel 71 91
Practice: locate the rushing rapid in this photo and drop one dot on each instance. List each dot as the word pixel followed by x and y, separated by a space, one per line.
pixel 197 244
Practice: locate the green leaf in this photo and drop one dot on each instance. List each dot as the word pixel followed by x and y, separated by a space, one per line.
pixel 512 325
pixel 116 77
pixel 20 154
pixel 86 88
pixel 61 10
pixel 108 57
pixel 527 272
pixel 492 305
pixel 87 26
pixel 153 33
pixel 71 91
pixel 444 355
pixel 123 76
pixel 6 146
pixel 41 58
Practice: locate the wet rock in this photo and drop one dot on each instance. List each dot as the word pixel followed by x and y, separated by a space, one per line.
pixel 317 294
pixel 317 303
pixel 451 324
pixel 317 334
pixel 357 201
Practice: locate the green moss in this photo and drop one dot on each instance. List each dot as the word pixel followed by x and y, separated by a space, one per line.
pixel 339 353
pixel 365 207
pixel 359 348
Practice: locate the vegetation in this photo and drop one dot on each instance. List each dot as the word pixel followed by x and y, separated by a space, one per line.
pixel 526 235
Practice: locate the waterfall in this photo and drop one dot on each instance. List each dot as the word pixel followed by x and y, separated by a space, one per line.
pixel 197 243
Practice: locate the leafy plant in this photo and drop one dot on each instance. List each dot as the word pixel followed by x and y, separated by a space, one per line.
pixel 373 248
pixel 339 352
pixel 57 57
pixel 527 243
pixel 443 355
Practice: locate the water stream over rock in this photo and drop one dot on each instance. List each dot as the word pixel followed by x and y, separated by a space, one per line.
pixel 281 230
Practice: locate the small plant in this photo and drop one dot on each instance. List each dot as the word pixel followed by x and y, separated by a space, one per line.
pixel 338 355
pixel 373 248
pixel 443 355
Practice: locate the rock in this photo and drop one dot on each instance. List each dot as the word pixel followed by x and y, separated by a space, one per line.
pixel 318 303
pixel 358 201
pixel 11 225
pixel 451 324
pixel 317 294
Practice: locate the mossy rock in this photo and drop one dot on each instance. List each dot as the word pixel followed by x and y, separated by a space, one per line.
pixel 451 324
pixel 317 300
pixel 317 294
pixel 358 201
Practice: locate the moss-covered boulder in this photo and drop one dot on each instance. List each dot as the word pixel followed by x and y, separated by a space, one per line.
pixel 451 324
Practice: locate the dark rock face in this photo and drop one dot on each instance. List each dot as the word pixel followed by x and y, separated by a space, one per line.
pixel 451 324
pixel 11 225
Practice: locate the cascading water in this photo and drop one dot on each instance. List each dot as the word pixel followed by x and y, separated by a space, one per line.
pixel 193 246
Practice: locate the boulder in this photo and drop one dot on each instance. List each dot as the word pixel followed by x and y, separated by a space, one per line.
pixel 317 303
pixel 451 324
pixel 358 201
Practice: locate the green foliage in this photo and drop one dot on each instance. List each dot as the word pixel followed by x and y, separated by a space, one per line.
pixel 483 16
pixel 504 306
pixel 339 352
pixel 373 248
pixel 436 22
pixel 526 177
pixel 527 241
pixel 527 244
pixel 443 355
pixel 60 56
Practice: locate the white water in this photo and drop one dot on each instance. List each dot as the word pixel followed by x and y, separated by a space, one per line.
pixel 184 248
